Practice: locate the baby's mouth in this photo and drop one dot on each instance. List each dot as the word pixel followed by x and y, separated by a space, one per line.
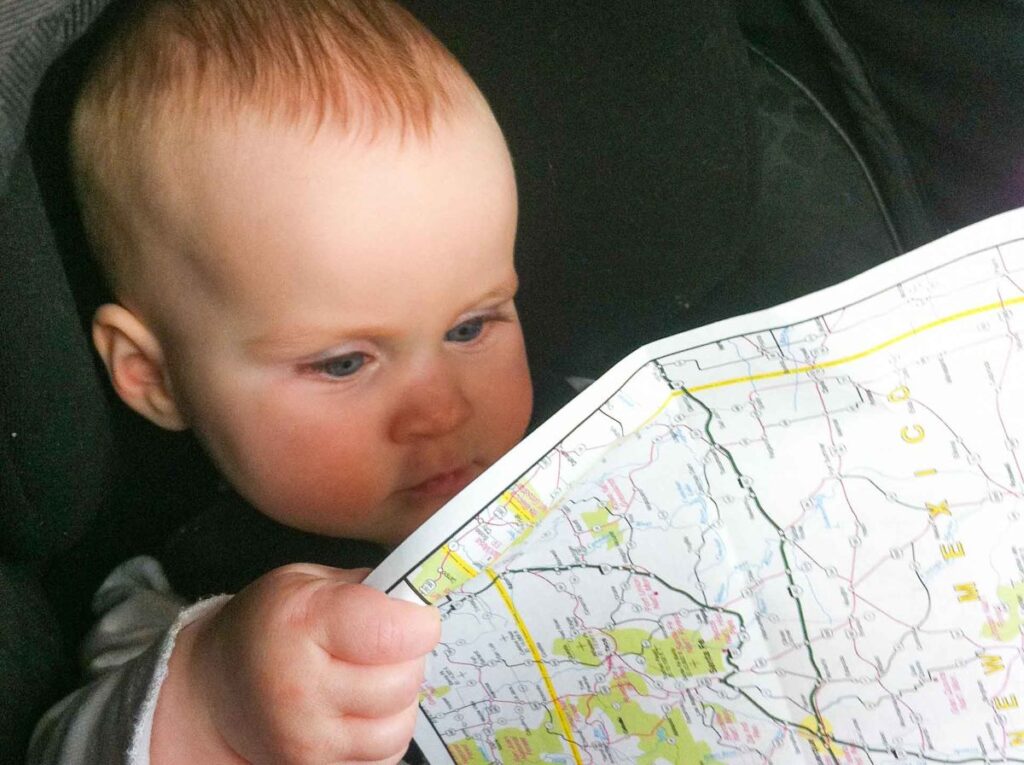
pixel 446 484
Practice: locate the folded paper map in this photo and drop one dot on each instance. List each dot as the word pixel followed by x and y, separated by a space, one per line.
pixel 795 536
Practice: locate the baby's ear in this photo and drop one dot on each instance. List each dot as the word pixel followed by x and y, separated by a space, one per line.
pixel 135 362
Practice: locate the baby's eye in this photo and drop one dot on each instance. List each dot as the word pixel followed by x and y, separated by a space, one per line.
pixel 466 331
pixel 340 366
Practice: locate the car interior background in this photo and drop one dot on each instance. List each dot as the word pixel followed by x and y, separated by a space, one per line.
pixel 677 163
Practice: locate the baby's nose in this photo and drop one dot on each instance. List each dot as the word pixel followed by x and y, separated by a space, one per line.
pixel 433 404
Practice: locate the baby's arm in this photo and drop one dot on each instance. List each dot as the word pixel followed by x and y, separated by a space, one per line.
pixel 257 662
pixel 303 666
pixel 125 656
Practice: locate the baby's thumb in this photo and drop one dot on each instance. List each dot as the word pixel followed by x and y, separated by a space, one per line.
pixel 350 575
pixel 339 575
pixel 364 626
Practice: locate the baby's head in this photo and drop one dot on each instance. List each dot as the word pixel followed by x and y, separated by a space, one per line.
pixel 306 212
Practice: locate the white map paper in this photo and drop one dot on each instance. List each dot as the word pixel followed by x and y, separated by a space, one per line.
pixel 791 537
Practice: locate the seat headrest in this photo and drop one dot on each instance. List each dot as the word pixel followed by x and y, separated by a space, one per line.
pixel 55 442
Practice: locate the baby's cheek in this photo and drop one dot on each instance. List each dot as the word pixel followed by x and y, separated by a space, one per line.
pixel 319 475
pixel 510 401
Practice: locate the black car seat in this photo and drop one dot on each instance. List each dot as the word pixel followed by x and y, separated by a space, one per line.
pixel 677 163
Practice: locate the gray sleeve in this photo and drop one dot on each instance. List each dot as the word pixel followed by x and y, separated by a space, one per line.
pixel 125 658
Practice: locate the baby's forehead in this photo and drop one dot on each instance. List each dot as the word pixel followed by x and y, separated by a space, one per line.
pixel 219 188
pixel 192 163
pixel 169 71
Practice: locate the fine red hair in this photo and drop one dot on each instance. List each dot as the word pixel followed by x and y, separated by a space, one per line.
pixel 176 65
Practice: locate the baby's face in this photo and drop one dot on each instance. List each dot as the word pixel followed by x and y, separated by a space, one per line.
pixel 340 329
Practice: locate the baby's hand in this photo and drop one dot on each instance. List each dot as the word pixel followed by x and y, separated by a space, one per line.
pixel 305 665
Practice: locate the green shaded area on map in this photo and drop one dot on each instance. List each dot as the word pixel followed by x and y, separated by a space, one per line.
pixel 682 654
pixel 435 693
pixel 603 525
pixel 523 747
pixel 440 574
pixel 1009 630
pixel 466 752
pixel 659 739
pixel 820 736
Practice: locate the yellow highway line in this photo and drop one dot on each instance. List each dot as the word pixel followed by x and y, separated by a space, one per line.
pixel 835 362
pixel 460 562
pixel 518 509
pixel 671 397
pixel 862 354
pixel 562 719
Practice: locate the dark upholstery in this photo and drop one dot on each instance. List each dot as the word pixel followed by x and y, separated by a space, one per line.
pixel 949 75
pixel 839 215
pixel 635 161
pixel 32 659
pixel 55 448
pixel 677 163
pixel 55 445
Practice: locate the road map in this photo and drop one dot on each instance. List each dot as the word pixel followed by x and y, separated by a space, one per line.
pixel 791 537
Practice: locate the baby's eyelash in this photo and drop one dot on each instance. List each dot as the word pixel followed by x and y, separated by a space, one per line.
pixel 477 326
pixel 467 331
pixel 342 366
pixel 338 367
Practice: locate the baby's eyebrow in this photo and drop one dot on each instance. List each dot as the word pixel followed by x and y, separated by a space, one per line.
pixel 506 290
pixel 297 341
pixel 301 340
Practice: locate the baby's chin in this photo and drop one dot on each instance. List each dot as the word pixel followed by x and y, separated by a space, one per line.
pixel 417 509
pixel 409 523
pixel 387 524
pixel 388 532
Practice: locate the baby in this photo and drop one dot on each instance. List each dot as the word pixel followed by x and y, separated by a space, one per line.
pixel 307 214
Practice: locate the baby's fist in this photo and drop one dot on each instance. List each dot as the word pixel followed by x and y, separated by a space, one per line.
pixel 306 665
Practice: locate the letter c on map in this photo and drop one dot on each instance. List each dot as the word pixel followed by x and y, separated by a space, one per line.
pixel 902 393
pixel 913 434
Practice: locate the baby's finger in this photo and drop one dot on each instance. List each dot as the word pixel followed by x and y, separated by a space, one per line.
pixel 360 739
pixel 364 626
pixel 393 760
pixel 375 690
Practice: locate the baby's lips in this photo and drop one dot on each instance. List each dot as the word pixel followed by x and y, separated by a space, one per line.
pixel 445 484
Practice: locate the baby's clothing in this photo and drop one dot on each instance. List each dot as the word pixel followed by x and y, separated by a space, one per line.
pixel 125 657
pixel 110 721
pixel 141 606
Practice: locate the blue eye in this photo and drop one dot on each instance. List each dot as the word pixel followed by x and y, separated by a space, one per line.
pixel 466 331
pixel 340 366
